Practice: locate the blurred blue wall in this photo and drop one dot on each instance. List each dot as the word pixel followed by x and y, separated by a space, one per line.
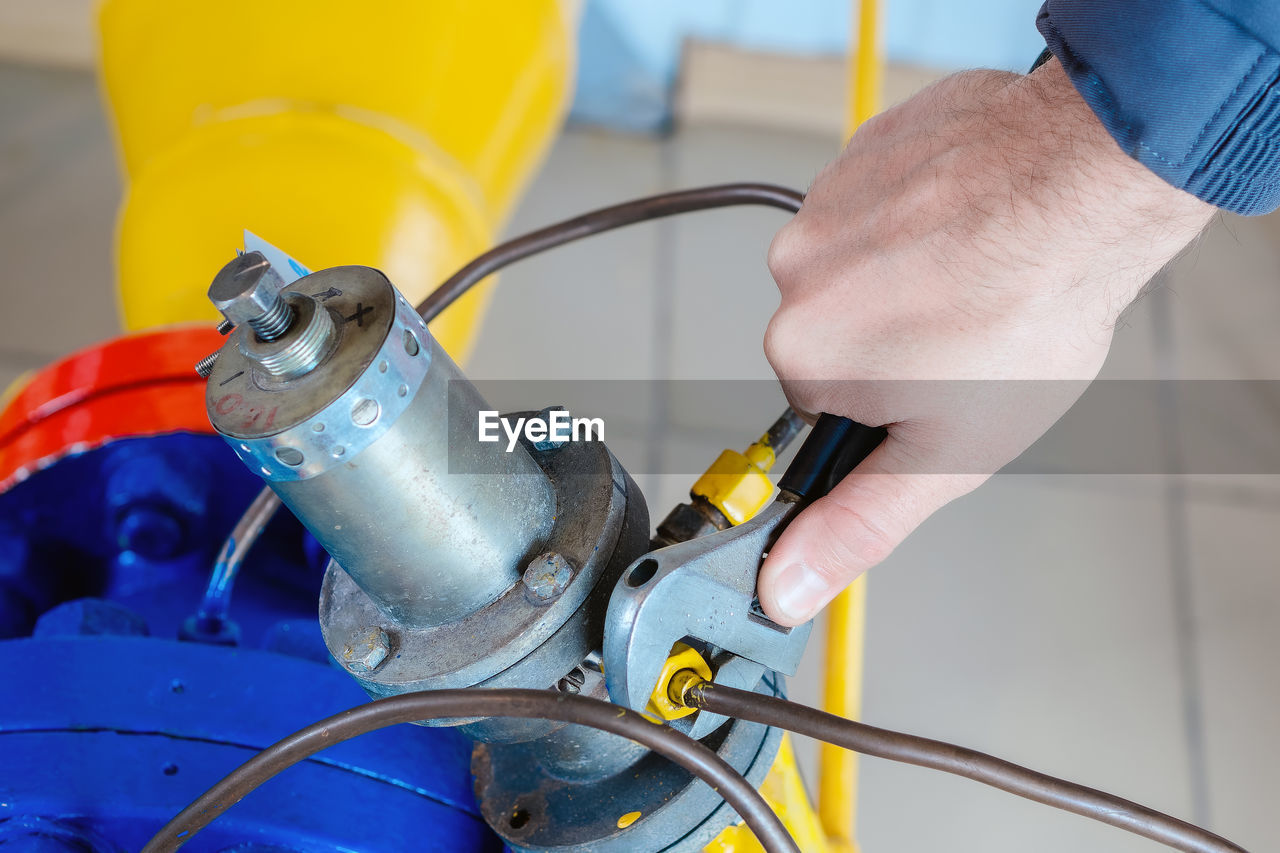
pixel 630 49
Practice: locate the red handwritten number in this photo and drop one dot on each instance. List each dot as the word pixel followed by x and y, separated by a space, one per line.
pixel 228 404
pixel 271 417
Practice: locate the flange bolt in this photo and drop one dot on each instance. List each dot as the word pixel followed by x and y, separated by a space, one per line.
pixel 367 650
pixel 547 577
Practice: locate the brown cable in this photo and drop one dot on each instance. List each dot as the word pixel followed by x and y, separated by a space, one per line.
pixel 474 702
pixel 958 760
pixel 604 219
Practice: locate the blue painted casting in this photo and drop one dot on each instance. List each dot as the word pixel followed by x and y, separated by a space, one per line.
pixel 109 724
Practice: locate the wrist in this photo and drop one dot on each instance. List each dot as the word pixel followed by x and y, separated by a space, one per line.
pixel 1050 97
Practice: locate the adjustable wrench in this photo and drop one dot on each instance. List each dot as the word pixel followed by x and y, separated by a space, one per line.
pixel 705 589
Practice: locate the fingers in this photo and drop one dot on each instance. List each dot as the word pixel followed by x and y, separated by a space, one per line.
pixel 850 530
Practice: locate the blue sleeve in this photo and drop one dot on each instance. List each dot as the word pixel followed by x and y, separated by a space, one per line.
pixel 1187 87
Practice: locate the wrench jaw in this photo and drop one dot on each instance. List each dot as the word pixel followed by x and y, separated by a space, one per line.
pixel 641 626
pixel 701 590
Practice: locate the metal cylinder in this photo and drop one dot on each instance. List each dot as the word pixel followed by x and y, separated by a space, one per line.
pixel 359 449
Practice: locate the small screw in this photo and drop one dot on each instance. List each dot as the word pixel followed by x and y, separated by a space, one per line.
pixel 226 327
pixel 205 365
pixel 547 577
pixel 367 650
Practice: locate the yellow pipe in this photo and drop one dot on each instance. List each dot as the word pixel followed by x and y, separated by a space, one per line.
pixel 842 696
pixel 846 616
pixel 395 134
pixel 866 67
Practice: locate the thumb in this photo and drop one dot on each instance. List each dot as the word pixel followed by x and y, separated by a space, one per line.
pixel 859 523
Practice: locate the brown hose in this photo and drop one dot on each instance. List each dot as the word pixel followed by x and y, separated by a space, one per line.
pixel 604 219
pixel 474 702
pixel 969 763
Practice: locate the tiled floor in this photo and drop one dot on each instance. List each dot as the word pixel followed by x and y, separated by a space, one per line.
pixel 1118 630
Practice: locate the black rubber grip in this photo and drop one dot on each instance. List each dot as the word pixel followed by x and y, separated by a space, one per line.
pixel 832 449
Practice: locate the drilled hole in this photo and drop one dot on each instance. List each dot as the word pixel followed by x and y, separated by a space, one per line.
pixel 519 818
pixel 642 574
pixel 170 770
pixel 365 412
pixel 410 343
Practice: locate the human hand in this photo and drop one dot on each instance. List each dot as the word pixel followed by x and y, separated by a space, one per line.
pixel 987 229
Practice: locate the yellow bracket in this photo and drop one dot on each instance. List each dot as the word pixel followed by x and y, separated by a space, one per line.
pixel 784 790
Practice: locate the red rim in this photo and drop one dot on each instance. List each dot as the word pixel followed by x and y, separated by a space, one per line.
pixel 137 385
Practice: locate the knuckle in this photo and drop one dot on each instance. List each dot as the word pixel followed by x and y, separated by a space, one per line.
pixel 786 252
pixel 789 349
pixel 782 348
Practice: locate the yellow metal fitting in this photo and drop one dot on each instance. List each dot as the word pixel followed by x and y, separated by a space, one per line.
pixel 682 659
pixel 737 484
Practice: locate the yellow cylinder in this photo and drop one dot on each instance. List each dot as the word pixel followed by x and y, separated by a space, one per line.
pixel 395 134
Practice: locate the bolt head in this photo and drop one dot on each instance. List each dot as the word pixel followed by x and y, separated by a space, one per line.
pixel 246 288
pixel 547 577
pixel 549 443
pixel 367 650
pixel 150 532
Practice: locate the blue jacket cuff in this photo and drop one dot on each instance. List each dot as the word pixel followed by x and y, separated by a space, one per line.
pixel 1183 86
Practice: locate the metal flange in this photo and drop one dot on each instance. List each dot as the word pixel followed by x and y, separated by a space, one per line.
pixel 516 641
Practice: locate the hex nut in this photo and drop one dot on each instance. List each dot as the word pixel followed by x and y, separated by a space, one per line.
pixel 367 650
pixel 548 444
pixel 684 669
pixel 152 532
pixel 547 577
pixel 246 289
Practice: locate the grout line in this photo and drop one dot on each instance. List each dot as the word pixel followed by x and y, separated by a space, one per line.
pixel 1176 522
pixel 1196 493
pixel 663 314
pixel 1233 494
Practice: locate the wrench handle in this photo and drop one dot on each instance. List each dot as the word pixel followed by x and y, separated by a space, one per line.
pixel 832 449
